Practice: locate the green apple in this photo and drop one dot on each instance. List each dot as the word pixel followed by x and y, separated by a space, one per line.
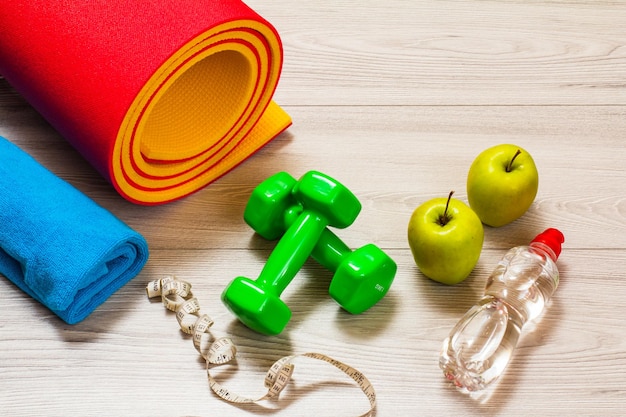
pixel 502 184
pixel 446 238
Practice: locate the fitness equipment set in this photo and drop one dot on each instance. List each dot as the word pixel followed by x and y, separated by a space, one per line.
pixel 300 212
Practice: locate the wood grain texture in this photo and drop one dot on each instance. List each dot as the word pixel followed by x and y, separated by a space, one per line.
pixel 452 52
pixel 394 99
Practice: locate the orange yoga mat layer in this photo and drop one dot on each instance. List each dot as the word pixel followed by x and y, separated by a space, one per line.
pixel 162 97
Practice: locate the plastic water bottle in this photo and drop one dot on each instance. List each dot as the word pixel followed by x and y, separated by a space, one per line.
pixel 480 346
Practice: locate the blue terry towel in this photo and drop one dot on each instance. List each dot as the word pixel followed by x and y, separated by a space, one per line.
pixel 57 244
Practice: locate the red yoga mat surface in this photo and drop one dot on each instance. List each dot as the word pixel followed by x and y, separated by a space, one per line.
pixel 162 97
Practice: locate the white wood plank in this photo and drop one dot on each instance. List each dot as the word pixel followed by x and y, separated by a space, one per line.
pixel 451 52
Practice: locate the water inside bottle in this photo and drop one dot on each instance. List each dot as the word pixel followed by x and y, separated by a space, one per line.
pixel 481 344
pixel 525 279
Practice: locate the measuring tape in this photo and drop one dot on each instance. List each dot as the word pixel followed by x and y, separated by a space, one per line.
pixel 176 296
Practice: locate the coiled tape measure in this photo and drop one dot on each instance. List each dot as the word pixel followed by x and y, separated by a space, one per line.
pixel 177 296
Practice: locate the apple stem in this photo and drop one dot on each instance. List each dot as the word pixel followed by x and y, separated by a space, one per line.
pixel 509 167
pixel 445 217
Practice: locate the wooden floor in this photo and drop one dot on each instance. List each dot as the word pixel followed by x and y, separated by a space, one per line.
pixel 394 99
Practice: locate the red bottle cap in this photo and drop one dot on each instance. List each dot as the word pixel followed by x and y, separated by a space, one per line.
pixel 552 238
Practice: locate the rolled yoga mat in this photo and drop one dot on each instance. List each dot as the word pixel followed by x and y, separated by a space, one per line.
pixel 58 245
pixel 162 97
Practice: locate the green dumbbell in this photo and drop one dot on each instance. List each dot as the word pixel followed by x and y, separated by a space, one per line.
pixel 362 278
pixel 325 202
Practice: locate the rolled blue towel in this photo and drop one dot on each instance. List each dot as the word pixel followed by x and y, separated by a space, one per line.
pixel 57 244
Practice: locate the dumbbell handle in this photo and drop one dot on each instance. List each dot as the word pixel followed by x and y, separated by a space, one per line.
pixel 329 250
pixel 292 251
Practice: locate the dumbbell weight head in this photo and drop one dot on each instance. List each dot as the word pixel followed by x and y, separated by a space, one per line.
pixel 256 307
pixel 268 205
pixel 362 279
pixel 274 200
pixel 321 194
